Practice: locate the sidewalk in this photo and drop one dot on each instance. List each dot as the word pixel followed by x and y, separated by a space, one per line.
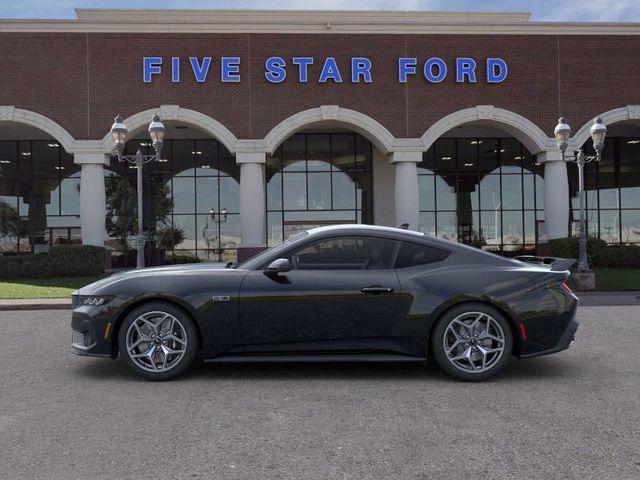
pixel 587 299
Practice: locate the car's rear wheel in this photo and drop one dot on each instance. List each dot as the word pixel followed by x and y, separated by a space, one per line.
pixel 158 341
pixel 472 342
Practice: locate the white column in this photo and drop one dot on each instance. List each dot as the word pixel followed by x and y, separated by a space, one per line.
pixel 92 197
pixel 252 199
pixel 406 187
pixel 556 194
pixel 384 210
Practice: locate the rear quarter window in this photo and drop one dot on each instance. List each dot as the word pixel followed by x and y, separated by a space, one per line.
pixel 414 254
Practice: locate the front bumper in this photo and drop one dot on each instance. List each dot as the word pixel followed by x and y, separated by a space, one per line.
pixel 91 332
pixel 564 343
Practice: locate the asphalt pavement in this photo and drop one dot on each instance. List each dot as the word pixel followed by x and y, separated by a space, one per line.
pixel 571 415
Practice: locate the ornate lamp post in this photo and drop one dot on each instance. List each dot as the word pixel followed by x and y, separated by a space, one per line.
pixel 210 231
pixel 156 132
pixel 562 133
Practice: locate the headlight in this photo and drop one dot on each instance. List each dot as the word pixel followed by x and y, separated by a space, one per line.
pixel 92 300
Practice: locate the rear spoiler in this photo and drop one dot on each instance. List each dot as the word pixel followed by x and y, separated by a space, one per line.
pixel 556 264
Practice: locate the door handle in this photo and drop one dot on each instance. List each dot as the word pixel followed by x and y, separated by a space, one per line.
pixel 376 290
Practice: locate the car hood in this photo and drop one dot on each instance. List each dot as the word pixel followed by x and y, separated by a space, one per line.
pixel 172 270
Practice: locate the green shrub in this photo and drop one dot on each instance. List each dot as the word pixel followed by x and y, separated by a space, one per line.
pixel 598 252
pixel 61 261
pixel 617 256
pixel 169 237
pixel 568 247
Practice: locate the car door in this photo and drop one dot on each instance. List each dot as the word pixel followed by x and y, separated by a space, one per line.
pixel 340 294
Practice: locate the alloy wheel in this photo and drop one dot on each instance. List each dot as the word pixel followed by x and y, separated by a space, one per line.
pixel 156 341
pixel 474 342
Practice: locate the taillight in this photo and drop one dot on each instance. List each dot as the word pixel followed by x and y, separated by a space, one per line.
pixel 567 288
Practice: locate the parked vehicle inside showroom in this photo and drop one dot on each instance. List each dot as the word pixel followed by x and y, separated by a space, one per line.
pixel 337 293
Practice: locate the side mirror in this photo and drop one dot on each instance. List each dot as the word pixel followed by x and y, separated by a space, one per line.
pixel 278 266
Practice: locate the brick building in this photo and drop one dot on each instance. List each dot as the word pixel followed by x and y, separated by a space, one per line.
pixel 282 120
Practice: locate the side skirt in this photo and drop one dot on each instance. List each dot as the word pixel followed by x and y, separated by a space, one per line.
pixel 312 358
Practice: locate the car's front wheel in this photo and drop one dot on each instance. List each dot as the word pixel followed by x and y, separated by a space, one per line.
pixel 158 341
pixel 472 342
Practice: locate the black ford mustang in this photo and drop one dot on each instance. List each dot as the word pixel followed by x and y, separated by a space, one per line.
pixel 343 293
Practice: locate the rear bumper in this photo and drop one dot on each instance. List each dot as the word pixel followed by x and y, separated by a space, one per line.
pixel 565 341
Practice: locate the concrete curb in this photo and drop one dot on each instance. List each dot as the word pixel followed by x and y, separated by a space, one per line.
pixel 35 304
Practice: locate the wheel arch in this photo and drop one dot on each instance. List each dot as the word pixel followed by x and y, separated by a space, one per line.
pixel 178 303
pixel 499 306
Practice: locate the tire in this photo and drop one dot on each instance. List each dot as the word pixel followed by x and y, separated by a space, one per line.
pixel 158 341
pixel 472 342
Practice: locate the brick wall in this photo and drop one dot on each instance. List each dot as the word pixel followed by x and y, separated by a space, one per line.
pixel 81 80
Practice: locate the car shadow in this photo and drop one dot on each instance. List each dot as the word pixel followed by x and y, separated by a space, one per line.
pixel 515 371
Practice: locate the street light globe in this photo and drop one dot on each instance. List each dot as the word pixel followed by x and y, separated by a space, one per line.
pixel 598 133
pixel 156 131
pixel 562 133
pixel 119 132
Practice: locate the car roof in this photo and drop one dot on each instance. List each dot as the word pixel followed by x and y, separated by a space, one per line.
pixel 463 252
pixel 362 228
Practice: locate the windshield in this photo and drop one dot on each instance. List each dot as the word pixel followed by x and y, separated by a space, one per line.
pixel 257 260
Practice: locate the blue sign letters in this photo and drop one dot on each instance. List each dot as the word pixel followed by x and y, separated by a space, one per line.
pixel 434 69
pixel 465 67
pixel 303 67
pixel 406 66
pixel 275 71
pixel 200 71
pixel 496 70
pixel 230 71
pixel 360 67
pixel 330 71
pixel 151 66
pixel 175 69
pixel 429 67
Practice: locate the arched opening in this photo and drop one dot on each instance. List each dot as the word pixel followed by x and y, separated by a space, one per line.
pixel 39 190
pixel 322 167
pixel 322 175
pixel 612 186
pixel 481 186
pixel 190 201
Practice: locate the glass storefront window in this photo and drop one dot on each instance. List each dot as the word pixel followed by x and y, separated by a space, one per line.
pixel 39 196
pixel 202 179
pixel 482 191
pixel 612 188
pixel 630 226
pixel 318 179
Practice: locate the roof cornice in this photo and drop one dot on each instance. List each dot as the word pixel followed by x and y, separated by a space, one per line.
pixel 314 22
pixel 296 16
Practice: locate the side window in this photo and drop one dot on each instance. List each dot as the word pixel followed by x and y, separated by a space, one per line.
pixel 344 253
pixel 412 254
